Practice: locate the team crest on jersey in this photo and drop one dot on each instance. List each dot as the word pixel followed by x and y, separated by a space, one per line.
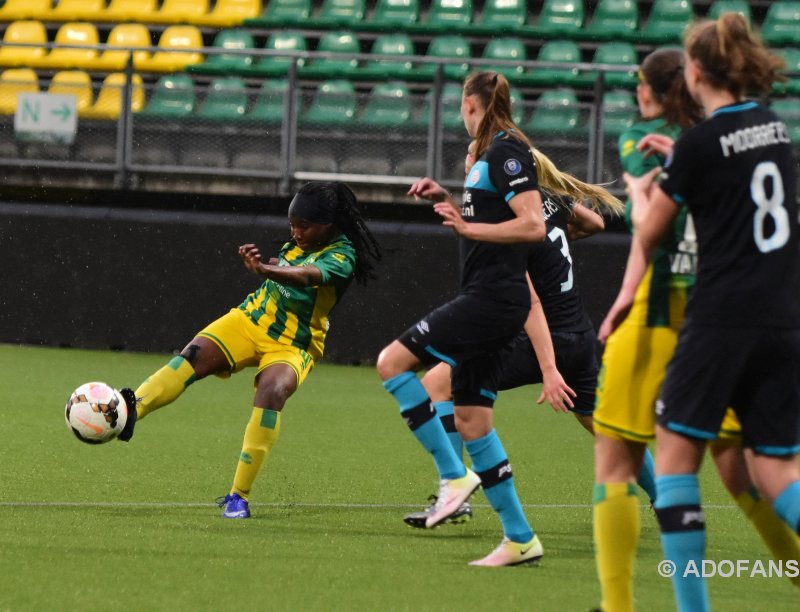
pixel 512 167
pixel 474 177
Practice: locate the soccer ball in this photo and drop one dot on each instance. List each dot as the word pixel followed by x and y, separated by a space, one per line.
pixel 96 413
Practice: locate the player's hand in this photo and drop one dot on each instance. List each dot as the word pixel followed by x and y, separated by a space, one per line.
pixel 616 315
pixel 428 189
pixel 640 185
pixel 656 144
pixel 557 393
pixel 251 257
pixel 452 217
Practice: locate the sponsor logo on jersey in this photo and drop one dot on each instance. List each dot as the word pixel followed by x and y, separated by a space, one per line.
pixel 422 327
pixel 474 177
pixel 522 179
pixel 338 257
pixel 628 147
pixel 512 167
pixel 659 406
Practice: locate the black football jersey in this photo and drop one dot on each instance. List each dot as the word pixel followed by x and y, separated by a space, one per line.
pixel 505 169
pixel 735 173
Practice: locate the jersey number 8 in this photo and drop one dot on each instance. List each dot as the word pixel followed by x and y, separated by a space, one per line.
pixel 769 206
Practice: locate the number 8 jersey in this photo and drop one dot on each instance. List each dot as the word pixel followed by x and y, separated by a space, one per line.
pixel 735 173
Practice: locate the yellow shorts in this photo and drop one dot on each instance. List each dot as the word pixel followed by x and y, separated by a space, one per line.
pixel 246 344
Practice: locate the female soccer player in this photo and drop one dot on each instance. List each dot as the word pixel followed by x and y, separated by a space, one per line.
pixel 280 328
pixel 740 344
pixel 501 209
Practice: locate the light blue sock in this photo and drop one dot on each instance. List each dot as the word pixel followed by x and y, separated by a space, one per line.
pixel 647 475
pixel 416 409
pixel 490 462
pixel 446 414
pixel 787 505
pixel 683 538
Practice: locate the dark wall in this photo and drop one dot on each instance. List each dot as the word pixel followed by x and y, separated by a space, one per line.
pixel 144 280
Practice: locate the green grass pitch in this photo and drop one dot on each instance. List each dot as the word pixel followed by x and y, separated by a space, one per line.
pixel 133 526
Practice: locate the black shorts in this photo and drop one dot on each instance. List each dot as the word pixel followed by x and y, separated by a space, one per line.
pixel 755 371
pixel 464 333
pixel 516 365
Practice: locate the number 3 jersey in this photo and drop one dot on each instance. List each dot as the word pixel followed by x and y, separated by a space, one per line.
pixel 734 172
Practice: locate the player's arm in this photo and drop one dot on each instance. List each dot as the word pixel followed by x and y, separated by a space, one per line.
pixel 554 389
pixel 635 270
pixel 584 222
pixel 653 210
pixel 295 276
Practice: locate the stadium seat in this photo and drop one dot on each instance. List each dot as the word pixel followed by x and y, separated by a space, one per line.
pixel 390 15
pixel 227 63
pixel 504 16
pixel 517 104
pixel 15 10
pixel 27 32
pixel 792 58
pixel 388 107
pixel 226 100
pixel 172 98
pixel 781 24
pixel 447 16
pixel 228 13
pixel 16 81
pixel 560 19
pixel 279 13
pixel 731 6
pixel 556 114
pixel 71 34
pixel 276 65
pixel 453 46
pixel 329 68
pixel 340 14
pixel 399 45
pixel 125 35
pixel 506 48
pixel 110 98
pixel 269 103
pixel 140 11
pixel 614 20
pixel 788 109
pixel 334 105
pixel 451 109
pixel 616 53
pixel 180 11
pixel 667 21
pixel 74 10
pixel 560 51
pixel 169 58
pixel 76 83
pixel 619 112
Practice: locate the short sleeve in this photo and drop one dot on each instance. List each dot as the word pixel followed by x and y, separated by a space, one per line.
pixel 337 264
pixel 511 168
pixel 678 178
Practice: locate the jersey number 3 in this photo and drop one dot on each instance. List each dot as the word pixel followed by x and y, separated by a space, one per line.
pixel 558 234
pixel 769 206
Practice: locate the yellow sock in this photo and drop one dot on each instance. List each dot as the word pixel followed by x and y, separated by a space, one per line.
pixel 616 536
pixel 777 535
pixel 260 436
pixel 164 386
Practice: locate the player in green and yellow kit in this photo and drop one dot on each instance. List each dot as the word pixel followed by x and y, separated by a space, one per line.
pixel 280 328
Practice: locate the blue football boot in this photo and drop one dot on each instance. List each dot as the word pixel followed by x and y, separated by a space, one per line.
pixel 236 507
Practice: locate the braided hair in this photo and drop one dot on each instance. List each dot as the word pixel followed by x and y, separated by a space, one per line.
pixel 337 202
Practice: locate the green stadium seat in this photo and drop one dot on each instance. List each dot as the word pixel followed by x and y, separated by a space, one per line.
pixel 619 112
pixel 781 24
pixel 792 58
pixel 453 46
pixel 447 16
pixel 388 107
pixel 226 100
pixel 275 65
pixel 560 19
pixel 616 53
pixel 173 98
pixel 506 48
pixel 556 114
pixel 334 105
pixel 560 51
pixel 329 68
pixel 227 63
pixel 504 16
pixel 667 21
pixel 788 109
pixel 399 45
pixel 731 6
pixel 280 13
pixel 451 109
pixel 614 20
pixel 392 15
pixel 340 14
pixel 268 105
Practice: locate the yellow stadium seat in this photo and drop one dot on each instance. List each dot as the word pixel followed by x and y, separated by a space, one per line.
pixel 73 83
pixel 13 82
pixel 129 10
pixel 168 59
pixel 71 34
pixel 110 98
pixel 180 11
pixel 228 13
pixel 124 35
pixel 14 10
pixel 75 10
pixel 23 32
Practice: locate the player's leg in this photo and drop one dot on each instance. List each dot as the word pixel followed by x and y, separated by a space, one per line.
pixel 437 383
pixel 777 478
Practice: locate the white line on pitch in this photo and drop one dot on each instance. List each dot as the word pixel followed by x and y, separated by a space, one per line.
pixel 89 504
